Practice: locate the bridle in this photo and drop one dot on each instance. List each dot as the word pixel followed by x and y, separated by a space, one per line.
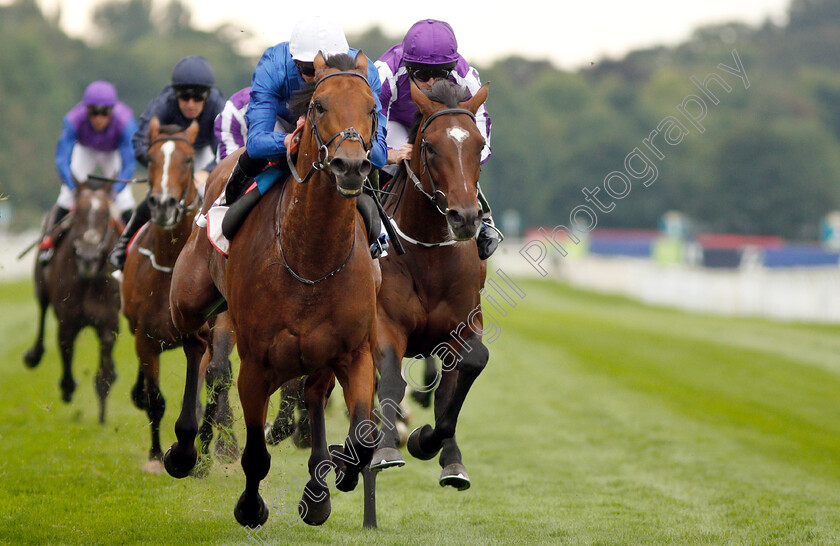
pixel 418 184
pixel 350 134
pixel 182 207
pixel 322 163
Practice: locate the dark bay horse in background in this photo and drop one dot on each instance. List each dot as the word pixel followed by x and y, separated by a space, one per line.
pixel 77 282
pixel 301 288
pixel 173 202
pixel 430 299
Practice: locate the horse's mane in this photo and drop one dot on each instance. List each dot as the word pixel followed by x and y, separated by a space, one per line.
pixel 299 102
pixel 444 92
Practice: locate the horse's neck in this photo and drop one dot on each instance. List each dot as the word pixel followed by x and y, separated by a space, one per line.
pixel 318 225
pixel 167 244
pixel 416 214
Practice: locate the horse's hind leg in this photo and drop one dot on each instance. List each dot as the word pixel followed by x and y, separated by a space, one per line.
pixel 148 351
pixel 254 392
pixel 357 381
pixel 291 394
pixel 426 441
pixel 107 373
pixel 32 357
pixel 66 339
pixel 219 378
pixel 138 392
pixel 182 456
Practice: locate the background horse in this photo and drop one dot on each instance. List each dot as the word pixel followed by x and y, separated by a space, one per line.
pixel 300 286
pixel 173 202
pixel 430 299
pixel 78 284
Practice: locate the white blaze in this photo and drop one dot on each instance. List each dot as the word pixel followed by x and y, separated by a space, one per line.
pixel 167 149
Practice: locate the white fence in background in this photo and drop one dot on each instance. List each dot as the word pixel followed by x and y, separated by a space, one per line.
pixel 10 246
pixel 801 294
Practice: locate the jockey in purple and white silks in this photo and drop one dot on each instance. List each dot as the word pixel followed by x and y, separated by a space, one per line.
pixel 96 136
pixel 230 127
pixel 429 51
pixel 284 69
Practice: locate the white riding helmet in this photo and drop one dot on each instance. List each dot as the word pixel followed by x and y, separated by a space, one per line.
pixel 314 34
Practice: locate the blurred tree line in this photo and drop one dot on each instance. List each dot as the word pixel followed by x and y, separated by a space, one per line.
pixel 768 161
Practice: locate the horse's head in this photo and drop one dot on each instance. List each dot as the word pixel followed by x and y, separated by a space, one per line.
pixel 170 172
pixel 447 154
pixel 90 233
pixel 342 121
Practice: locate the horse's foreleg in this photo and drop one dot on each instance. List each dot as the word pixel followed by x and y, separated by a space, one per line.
pixel 426 441
pixel 357 381
pixel 66 339
pixel 219 378
pixel 315 507
pixel 254 393
pixel 32 357
pixel 182 456
pixel 148 352
pixel 391 390
pixel 107 373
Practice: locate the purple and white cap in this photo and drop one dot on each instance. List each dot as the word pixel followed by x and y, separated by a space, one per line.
pixel 430 42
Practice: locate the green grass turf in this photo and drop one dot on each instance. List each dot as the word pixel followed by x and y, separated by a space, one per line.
pixel 597 421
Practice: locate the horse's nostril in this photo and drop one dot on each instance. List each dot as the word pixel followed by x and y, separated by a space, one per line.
pixel 455 217
pixel 365 168
pixel 153 200
pixel 338 166
pixel 171 202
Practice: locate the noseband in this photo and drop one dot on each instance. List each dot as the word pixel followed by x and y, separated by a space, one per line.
pixel 418 184
pixel 182 206
pixel 349 134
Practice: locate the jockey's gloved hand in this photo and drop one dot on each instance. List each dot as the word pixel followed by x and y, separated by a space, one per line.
pixel 379 248
pixel 488 238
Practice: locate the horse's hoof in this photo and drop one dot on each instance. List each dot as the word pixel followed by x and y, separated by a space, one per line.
pixel 66 396
pixel 386 457
pixel 346 479
pixel 314 513
pixel 178 464
pixel 455 475
pixel 250 514
pixel 227 447
pixel 202 467
pixel 32 357
pixel 275 434
pixel 413 444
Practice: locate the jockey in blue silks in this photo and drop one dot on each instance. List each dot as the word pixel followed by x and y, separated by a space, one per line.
pixel 284 69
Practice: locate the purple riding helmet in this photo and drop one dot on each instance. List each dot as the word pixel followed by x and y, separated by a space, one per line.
pixel 100 93
pixel 430 42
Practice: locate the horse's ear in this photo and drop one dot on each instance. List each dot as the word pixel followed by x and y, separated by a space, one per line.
pixel 478 99
pixel 362 62
pixel 423 102
pixel 320 62
pixel 192 131
pixel 154 128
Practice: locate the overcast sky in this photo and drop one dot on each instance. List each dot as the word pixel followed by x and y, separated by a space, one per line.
pixel 570 34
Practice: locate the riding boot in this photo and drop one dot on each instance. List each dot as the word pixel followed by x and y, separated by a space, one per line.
pixel 141 215
pixel 50 239
pixel 489 236
pixel 376 234
pixel 125 216
pixel 243 173
pixel 237 212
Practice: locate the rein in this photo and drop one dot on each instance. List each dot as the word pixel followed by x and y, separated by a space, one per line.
pixel 351 134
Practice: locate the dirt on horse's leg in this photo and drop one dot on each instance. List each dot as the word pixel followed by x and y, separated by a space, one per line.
pixel 357 381
pixel 148 352
pixel 391 390
pixel 66 338
pixel 314 507
pixel 107 373
pixel 181 457
pixel 32 357
pixel 426 441
pixel 254 393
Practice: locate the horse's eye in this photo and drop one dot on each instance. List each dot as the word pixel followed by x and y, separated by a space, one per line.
pixel 319 107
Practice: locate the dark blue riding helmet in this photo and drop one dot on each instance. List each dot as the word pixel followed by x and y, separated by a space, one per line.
pixel 193 71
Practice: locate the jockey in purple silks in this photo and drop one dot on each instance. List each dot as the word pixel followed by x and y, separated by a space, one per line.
pixel 191 96
pixel 96 135
pixel 283 70
pixel 230 127
pixel 429 51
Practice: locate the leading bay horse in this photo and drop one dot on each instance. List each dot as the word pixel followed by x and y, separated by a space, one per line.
pixel 77 282
pixel 430 301
pixel 301 290
pixel 173 202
